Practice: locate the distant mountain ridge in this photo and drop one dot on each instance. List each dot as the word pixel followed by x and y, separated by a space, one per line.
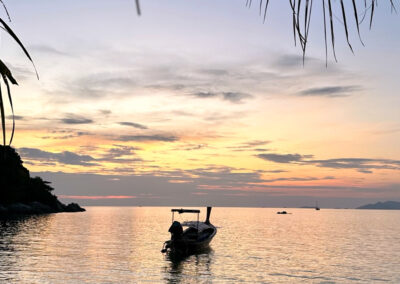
pixel 387 205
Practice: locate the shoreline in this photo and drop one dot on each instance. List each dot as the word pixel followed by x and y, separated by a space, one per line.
pixel 34 208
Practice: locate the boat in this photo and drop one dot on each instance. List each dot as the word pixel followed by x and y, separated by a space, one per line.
pixel 316 205
pixel 194 238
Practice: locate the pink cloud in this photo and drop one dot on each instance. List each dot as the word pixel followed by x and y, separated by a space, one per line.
pixel 199 193
pixel 97 196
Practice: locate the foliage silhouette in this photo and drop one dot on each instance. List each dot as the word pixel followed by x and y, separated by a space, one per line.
pixel 16 183
pixel 7 77
pixel 19 190
pixel 20 193
pixel 302 11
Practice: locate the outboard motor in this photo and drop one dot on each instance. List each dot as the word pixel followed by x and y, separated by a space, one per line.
pixel 208 215
pixel 176 230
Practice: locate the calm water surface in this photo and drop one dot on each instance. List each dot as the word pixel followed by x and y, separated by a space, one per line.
pixel 254 245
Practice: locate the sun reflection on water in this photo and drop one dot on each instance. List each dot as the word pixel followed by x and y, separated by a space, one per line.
pixel 122 245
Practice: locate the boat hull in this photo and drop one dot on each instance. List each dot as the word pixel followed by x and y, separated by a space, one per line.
pixel 185 246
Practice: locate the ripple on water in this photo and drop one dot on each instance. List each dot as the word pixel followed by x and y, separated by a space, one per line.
pixel 122 245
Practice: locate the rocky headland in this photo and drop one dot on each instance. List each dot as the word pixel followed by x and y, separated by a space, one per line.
pixel 387 205
pixel 22 194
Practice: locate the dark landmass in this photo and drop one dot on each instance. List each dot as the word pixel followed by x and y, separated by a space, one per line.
pixel 388 205
pixel 22 194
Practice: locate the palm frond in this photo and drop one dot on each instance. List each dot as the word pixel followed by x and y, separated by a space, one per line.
pixel 138 7
pixel 357 21
pixel 6 73
pixel 17 40
pixel 3 118
pixel 7 77
pixel 5 9
pixel 332 30
pixel 346 30
pixel 325 37
pixel 301 18
pixel 372 13
pixel 12 108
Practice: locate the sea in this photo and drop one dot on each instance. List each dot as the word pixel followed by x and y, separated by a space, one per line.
pixel 252 245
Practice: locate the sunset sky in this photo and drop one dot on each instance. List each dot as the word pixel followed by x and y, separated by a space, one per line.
pixel 199 102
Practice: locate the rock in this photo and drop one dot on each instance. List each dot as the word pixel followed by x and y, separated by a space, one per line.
pixel 74 207
pixel 3 210
pixel 60 207
pixel 25 209
pixel 40 208
pixel 19 208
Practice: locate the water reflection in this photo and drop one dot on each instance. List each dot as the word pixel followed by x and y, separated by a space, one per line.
pixel 195 267
pixel 12 226
pixel 122 245
pixel 16 237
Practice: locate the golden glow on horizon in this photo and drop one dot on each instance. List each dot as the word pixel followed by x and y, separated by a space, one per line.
pixel 212 155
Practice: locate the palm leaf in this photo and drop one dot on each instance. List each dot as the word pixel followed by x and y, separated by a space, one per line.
pixel 357 22
pixel 138 7
pixel 12 108
pixel 5 72
pixel 265 10
pixel 332 31
pixel 6 75
pixel 3 118
pixel 326 42
pixel 14 36
pixel 5 9
pixel 346 30
pixel 302 10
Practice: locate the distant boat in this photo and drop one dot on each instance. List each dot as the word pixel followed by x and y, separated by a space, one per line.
pixel 281 212
pixel 316 205
pixel 196 237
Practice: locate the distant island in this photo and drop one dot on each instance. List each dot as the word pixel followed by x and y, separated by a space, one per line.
pixel 22 194
pixel 388 205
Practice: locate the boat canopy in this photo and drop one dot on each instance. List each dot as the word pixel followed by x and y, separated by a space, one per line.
pixel 180 211
pixel 197 211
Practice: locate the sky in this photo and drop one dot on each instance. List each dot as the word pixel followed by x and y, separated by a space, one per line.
pixel 201 103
